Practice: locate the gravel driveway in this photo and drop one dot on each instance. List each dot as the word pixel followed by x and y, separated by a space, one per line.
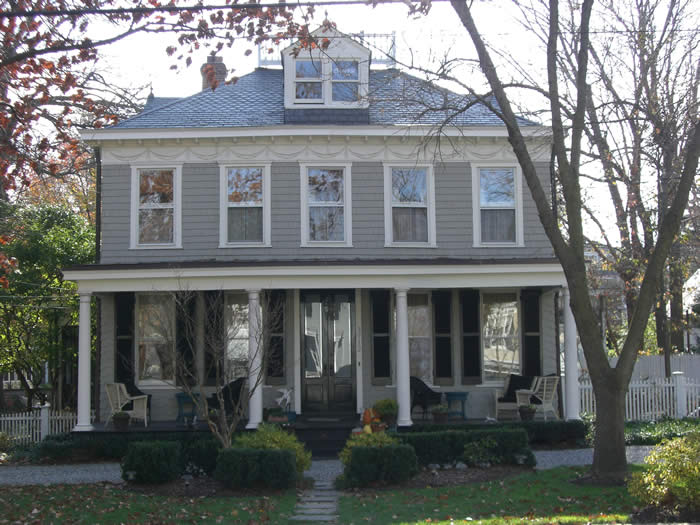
pixel 582 456
pixel 57 474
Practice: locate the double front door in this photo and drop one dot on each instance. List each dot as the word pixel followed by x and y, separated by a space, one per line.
pixel 328 350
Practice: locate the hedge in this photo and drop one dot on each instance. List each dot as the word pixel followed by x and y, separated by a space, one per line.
pixel 152 462
pixel 539 432
pixel 446 447
pixel 248 467
pixel 388 464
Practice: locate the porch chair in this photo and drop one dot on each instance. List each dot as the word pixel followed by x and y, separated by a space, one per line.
pixel 119 398
pixel 506 401
pixel 231 395
pixel 542 395
pixel 422 395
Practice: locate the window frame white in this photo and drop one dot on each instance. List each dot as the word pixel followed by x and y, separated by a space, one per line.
pixel 482 338
pixel 224 205
pixel 306 242
pixel 389 241
pixel 476 205
pixel 332 81
pixel 313 80
pixel 136 207
pixel 154 383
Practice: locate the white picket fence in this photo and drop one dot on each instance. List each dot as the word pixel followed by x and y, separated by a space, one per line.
pixel 674 397
pixel 652 366
pixel 34 425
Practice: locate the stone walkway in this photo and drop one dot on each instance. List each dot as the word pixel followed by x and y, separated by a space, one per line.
pixel 319 504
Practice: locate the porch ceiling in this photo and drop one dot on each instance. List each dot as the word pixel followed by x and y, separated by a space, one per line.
pixel 316 276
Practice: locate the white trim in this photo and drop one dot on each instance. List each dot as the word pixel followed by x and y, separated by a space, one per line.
pixel 223 205
pixel 358 351
pixel 388 206
pixel 315 276
pixel 476 205
pixel 347 205
pixel 177 207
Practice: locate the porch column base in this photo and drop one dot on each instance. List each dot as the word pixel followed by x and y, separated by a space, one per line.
pixel 403 367
pixel 255 372
pixel 572 398
pixel 83 428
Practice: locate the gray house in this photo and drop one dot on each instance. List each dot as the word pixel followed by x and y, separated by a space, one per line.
pixel 387 216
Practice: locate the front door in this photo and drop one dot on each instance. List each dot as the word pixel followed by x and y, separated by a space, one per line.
pixel 327 349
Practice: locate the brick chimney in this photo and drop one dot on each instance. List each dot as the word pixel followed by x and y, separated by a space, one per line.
pixel 219 69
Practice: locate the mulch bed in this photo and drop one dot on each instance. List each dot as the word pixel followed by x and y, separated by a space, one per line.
pixel 665 515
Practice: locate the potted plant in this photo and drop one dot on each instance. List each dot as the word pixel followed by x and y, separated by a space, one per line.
pixel 387 409
pixel 120 420
pixel 440 413
pixel 527 412
pixel 276 415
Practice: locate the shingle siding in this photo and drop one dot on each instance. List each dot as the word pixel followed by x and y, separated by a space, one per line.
pixel 200 218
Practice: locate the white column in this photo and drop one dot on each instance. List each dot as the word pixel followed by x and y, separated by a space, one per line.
pixel 255 371
pixel 681 394
pixel 403 368
pixel 358 350
pixel 297 350
pixel 572 397
pixel 84 364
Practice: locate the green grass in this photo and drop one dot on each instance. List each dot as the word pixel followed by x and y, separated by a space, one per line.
pixel 105 503
pixel 537 497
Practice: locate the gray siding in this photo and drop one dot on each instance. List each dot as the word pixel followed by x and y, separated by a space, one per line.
pixel 200 218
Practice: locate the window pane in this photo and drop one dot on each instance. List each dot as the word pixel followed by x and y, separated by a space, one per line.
pixel 345 70
pixel 421 357
pixel 245 185
pixel 345 91
pixel 326 185
pixel 236 319
pixel 309 90
pixel 156 187
pixel 308 69
pixel 443 356
pixel 418 316
pixel 497 225
pixel 275 356
pixel 156 342
pixel 408 185
pixel 156 226
pixel 497 186
pixel 501 336
pixel 326 223
pixel 410 224
pixel 382 356
pixel 245 224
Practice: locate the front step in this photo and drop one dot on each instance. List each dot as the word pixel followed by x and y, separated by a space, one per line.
pixel 325 436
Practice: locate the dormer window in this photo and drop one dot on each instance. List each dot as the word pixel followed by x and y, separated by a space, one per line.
pixel 308 85
pixel 346 80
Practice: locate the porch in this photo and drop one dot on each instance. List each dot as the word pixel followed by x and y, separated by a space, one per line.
pixel 460 327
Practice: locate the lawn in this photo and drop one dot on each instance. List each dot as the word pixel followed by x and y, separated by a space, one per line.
pixel 105 503
pixel 538 497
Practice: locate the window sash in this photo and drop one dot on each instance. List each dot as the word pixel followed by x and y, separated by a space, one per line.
pixel 325 201
pixel 157 215
pixel 155 343
pixel 500 330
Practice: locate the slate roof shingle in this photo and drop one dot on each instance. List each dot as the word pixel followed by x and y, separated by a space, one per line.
pixel 257 100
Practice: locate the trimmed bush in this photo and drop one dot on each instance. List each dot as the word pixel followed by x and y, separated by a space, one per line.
pixel 388 464
pixel 201 454
pixel 248 467
pixel 376 439
pixel 511 445
pixel 672 476
pixel 152 461
pixel 273 437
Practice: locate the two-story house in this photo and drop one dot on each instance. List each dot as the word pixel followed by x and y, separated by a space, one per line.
pixel 390 215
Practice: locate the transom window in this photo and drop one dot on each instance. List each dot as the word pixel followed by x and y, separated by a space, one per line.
pixel 345 80
pixel 308 83
pixel 244 212
pixel 409 205
pixel 325 205
pixel 155 341
pixel 497 206
pixel 155 207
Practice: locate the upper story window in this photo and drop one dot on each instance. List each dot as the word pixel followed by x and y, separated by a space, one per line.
pixel 326 205
pixel 409 205
pixel 345 80
pixel 155 207
pixel 308 84
pixel 245 210
pixel 497 206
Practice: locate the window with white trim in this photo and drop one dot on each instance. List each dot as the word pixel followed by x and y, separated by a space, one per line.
pixel 244 205
pixel 497 206
pixel 326 206
pixel 345 81
pixel 308 81
pixel 155 341
pixel 155 207
pixel 409 205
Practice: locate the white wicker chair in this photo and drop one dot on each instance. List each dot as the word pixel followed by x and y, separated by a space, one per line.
pixel 545 391
pixel 118 397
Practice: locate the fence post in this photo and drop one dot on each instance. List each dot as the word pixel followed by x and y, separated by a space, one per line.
pixel 681 396
pixel 44 420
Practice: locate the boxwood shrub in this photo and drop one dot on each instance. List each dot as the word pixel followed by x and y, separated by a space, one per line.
pixel 387 464
pixel 273 437
pixel 152 461
pixel 201 454
pixel 249 467
pixel 511 445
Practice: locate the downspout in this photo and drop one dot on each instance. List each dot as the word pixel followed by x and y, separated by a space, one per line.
pixel 98 301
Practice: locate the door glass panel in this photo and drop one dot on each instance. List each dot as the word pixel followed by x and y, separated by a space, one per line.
pixel 342 339
pixel 313 340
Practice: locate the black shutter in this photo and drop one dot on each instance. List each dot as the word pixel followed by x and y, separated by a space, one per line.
pixel 185 308
pixel 471 337
pixel 442 310
pixel 214 336
pixel 124 337
pixel 381 358
pixel 275 353
pixel 530 306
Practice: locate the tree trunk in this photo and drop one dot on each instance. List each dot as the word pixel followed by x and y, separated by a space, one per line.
pixel 609 458
pixel 676 289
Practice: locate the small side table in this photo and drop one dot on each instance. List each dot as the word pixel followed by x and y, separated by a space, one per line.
pixel 186 407
pixel 457 396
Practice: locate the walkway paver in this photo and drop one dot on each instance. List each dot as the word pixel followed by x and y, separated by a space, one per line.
pixel 320 503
